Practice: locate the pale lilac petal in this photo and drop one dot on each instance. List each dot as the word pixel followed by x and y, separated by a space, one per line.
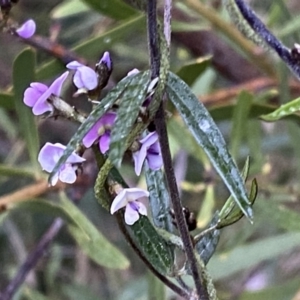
pixel 49 155
pixel 106 60
pixel 67 174
pixel 27 30
pixel 131 215
pixel 119 202
pixel 150 139
pixel 93 134
pixel 74 65
pixel 85 77
pixel 139 158
pixel 133 72
pixel 104 142
pixel 155 161
pixel 75 159
pixel 33 93
pixel 99 129
pixel 42 105
pixel 141 208
pixel 135 193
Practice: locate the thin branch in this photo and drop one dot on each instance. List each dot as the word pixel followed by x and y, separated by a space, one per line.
pixel 167 21
pixel 259 27
pixel 32 259
pixel 166 155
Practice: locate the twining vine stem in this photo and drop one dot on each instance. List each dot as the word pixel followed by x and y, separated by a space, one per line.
pixel 160 124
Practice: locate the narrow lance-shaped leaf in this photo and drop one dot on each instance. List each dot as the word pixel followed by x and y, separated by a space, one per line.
pixel 105 104
pixel 23 75
pixel 159 199
pixel 115 9
pixel 90 240
pixel 283 111
pixel 209 138
pixel 127 114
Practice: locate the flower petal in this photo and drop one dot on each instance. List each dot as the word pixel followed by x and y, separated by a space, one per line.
pixel 93 134
pixel 105 59
pixel 139 158
pixel 119 202
pixel 68 174
pixel 155 161
pixel 85 77
pixel 74 65
pixel 150 139
pixel 49 155
pixel 141 208
pixel 131 215
pixel 42 105
pixel 27 30
pixel 33 93
pixel 104 142
pixel 132 194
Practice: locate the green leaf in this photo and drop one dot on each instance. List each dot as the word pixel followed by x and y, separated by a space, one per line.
pixel 159 199
pixel 127 114
pixel 90 240
pixel 239 121
pixel 189 144
pixel 105 104
pixel 23 75
pixel 283 111
pixel 69 8
pixel 152 245
pixel 248 256
pixel 95 45
pixel 156 288
pixel 115 9
pixel 207 245
pixel 281 216
pixel 210 138
pixel 7 100
pixel 190 72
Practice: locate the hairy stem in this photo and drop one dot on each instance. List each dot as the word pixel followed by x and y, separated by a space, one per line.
pixel 166 155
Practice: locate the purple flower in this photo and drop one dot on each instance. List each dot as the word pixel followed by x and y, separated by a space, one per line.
pixel 49 156
pixel 37 94
pixel 105 59
pixel 100 131
pixel 27 30
pixel 128 198
pixel 150 150
pixel 85 78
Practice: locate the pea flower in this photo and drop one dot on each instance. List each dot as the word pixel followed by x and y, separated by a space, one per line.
pixel 150 150
pixel 27 30
pixel 85 78
pixel 37 94
pixel 100 132
pixel 105 60
pixel 50 155
pixel 128 198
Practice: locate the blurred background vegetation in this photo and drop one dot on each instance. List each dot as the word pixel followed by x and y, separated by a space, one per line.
pixel 235 79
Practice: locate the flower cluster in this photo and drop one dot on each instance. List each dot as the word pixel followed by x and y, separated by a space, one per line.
pixel 39 97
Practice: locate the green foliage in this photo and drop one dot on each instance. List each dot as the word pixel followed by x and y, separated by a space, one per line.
pixel 23 75
pixel 128 111
pixel 209 137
